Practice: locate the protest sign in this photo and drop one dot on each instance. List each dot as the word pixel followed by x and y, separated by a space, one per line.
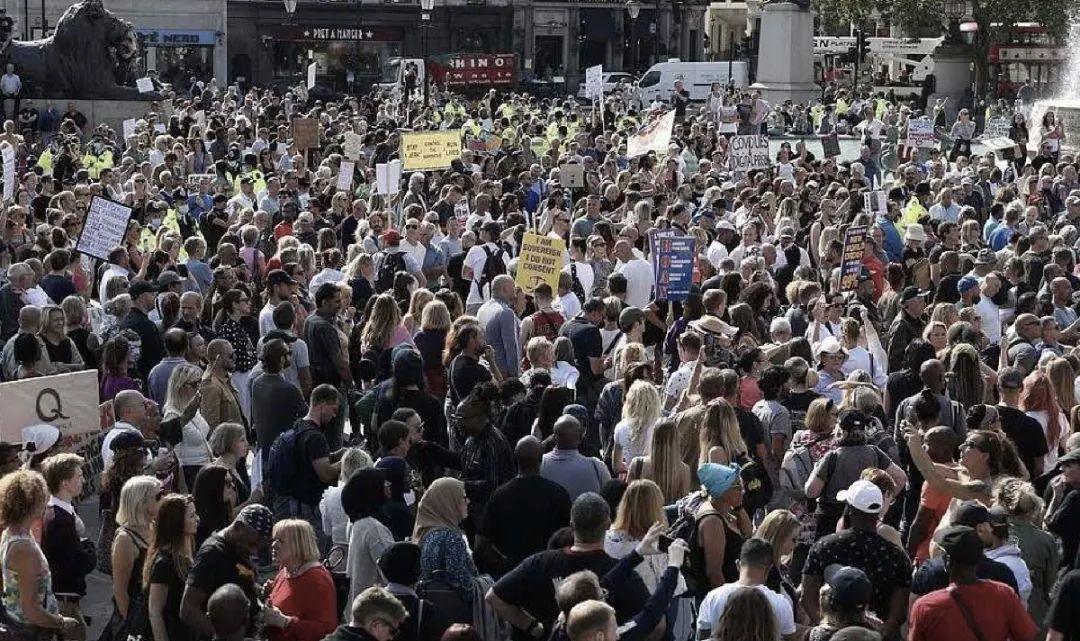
pixel 653 236
pixel 193 180
pixel 305 133
pixel 345 175
pixel 572 175
pixel 851 262
pixel 830 145
pixel 594 82
pixel 541 261
pixel 727 120
pixel 674 271
pixel 7 152
pixel 996 128
pixel 461 211
pixel 749 152
pixel 429 150
pixel 129 128
pixel 68 401
pixel 875 203
pixel 920 133
pixel 105 227
pixel 353 145
pixel 144 85
pixel 655 136
pixel 312 69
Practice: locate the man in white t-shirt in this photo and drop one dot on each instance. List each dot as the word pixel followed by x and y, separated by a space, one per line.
pixel 638 272
pixel 473 267
pixel 578 268
pixel 755 560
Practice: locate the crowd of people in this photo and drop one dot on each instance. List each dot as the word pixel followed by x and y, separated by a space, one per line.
pixel 336 414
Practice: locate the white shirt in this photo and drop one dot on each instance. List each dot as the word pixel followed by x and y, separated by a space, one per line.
pixel 716 253
pixel 564 375
pixel 417 251
pixel 569 305
pixel 716 600
pixel 639 282
pixel 585 274
pixel 112 272
pixel 106 442
pixel 327 275
pixel 990 319
pixel 631 449
pixel 680 380
pixel 475 260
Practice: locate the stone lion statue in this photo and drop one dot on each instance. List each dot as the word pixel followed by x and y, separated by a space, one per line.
pixel 91 55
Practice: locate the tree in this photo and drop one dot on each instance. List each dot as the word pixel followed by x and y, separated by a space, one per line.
pixel 994 18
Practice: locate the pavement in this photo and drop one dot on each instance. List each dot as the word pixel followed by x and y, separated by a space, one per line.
pixel 97 604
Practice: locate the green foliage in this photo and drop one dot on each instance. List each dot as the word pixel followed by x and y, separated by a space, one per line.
pixel 926 18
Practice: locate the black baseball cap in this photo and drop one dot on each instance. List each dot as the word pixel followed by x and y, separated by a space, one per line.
pixel 961 543
pixel 140 287
pixel 971 514
pixel 912 292
pixel 848 585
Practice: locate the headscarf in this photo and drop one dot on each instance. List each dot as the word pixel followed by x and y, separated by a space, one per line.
pixel 717 478
pixel 364 494
pixel 440 507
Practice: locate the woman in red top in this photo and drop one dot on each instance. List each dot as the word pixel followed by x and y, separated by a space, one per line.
pixel 302 603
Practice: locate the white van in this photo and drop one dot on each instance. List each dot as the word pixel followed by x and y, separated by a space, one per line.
pixel 659 81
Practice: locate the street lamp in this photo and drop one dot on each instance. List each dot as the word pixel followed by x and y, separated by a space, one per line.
pixel 426 7
pixel 633 8
pixel 953 10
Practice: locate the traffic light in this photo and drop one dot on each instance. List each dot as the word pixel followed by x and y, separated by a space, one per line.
pixel 862 45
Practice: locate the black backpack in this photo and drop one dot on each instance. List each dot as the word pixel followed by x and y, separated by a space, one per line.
pixel 392 263
pixel 493 266
pixel 575 284
pixel 282 469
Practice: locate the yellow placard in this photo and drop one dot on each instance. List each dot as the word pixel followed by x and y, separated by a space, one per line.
pixel 540 261
pixel 429 150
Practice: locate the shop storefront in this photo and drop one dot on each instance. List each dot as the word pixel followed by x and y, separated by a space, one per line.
pixel 178 54
pixel 344 56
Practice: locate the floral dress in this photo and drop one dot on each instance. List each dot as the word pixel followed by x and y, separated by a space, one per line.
pixel 43 583
pixel 802 508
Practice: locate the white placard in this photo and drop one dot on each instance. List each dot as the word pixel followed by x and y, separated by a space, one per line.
pixel 105 226
pixel 594 82
pixel 200 117
pixel 67 401
pixel 344 179
pixel 997 128
pixel 388 177
pixel 7 152
pixel 875 203
pixel 145 85
pixel 353 145
pixel 749 152
pixel 655 136
pixel 159 128
pixel 920 133
pixel 312 69
pixel 129 128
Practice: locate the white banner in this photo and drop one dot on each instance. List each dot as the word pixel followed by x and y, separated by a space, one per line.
pixel 68 401
pixel 129 128
pixel 144 85
pixel 594 82
pixel 105 226
pixel 655 136
pixel 749 152
pixel 345 176
pixel 7 152
pixel 997 128
pixel 388 177
pixel 312 69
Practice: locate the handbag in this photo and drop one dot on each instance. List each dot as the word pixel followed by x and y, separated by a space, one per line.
pixel 105 541
pixel 134 627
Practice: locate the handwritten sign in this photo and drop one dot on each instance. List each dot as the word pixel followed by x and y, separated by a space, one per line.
pixel 129 128
pixel 7 152
pixel 996 128
pixel 105 227
pixel 312 69
pixel 429 150
pixel 345 176
pixel 851 263
pixel 353 146
pixel 572 175
pixel 675 262
pixel 920 133
pixel 830 145
pixel 67 401
pixel 541 261
pixel 594 82
pixel 305 133
pixel 727 120
pixel 144 85
pixel 749 152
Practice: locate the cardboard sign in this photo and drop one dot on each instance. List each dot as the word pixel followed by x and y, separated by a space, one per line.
pixel 305 133
pixel 572 175
pixel 7 152
pixel 105 227
pixel 429 150
pixel 129 128
pixel 749 152
pixel 312 69
pixel 540 261
pixel 875 202
pixel 851 262
pixel 345 175
pixel 594 82
pixel 996 128
pixel 830 145
pixel 675 267
pixel 68 401
pixel 193 180
pixel 353 146
pixel 144 85
pixel 655 136
pixel 920 133
pixel 388 177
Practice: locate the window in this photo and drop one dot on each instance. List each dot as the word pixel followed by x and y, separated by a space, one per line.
pixel 650 79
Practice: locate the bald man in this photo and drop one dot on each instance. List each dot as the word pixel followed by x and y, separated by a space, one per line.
pixel 220 400
pixel 130 410
pixel 501 326
pixel 567 466
pixel 511 533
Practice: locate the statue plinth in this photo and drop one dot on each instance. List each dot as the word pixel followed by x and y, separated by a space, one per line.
pixel 785 69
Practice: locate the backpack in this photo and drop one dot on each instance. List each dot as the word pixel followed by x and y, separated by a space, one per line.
pixel 795 470
pixel 282 469
pixel 685 527
pixel 392 263
pixel 493 266
pixel 575 284
pixel 757 486
pixel 453 603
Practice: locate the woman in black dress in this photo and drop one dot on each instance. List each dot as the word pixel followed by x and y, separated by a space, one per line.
pixel 165 571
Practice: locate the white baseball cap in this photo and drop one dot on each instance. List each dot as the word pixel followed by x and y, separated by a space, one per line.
pixel 864 496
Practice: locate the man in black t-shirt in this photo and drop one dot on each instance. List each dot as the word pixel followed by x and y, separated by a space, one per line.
pixel 1025 432
pixel 225 557
pixel 526 596
pixel 584 333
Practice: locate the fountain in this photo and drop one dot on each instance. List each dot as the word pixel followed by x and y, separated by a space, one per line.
pixel 1066 105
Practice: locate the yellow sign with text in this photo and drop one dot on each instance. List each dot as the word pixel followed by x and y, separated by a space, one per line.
pixel 429 150
pixel 540 261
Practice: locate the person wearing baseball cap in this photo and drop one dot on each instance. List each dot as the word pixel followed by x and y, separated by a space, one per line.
pixel 969 607
pixel 907 326
pixel 860 546
pixel 844 599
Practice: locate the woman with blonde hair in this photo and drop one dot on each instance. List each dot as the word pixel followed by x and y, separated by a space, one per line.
pixel 139 499
pixel 383 331
pixel 632 434
pixel 430 341
pixel 944 313
pixel 663 465
pixel 302 599
pixel 443 547
pixel 936 333
pixel 335 521
pixel 818 437
pixel 417 301
pixel 229 445
pixel 781 529
pixel 1062 376
pixel 719 439
pixel 193 451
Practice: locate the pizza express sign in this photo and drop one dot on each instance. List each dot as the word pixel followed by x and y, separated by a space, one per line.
pixel 331 33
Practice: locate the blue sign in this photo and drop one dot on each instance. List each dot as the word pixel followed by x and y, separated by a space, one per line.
pixel 177 37
pixel 674 266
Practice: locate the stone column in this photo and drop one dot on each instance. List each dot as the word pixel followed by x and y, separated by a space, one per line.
pixel 785 62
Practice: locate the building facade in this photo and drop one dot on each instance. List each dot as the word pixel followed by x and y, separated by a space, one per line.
pixel 180 40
